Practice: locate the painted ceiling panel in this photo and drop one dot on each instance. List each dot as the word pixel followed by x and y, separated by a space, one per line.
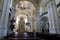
pixel 35 2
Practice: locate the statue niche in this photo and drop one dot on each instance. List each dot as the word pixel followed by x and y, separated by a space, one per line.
pixel 21 27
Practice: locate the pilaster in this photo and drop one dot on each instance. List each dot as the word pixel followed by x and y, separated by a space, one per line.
pixel 52 15
pixel 4 18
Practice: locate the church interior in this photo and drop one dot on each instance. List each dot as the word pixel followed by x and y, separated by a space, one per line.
pixel 29 19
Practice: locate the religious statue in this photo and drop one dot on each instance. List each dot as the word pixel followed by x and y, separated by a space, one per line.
pixel 21 27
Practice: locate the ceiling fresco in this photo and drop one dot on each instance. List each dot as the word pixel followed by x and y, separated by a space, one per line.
pixel 36 3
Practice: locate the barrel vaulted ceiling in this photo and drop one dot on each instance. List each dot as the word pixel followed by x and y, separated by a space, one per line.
pixel 36 3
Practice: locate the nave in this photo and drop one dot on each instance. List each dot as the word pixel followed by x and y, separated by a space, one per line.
pixel 30 19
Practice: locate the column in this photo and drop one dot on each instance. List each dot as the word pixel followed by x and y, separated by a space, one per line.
pixel 52 15
pixel 4 18
pixel 38 26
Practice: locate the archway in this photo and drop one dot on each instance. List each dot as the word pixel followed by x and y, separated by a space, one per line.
pixel 44 24
pixel 26 9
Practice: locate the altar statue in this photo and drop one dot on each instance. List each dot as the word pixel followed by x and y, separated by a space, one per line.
pixel 21 27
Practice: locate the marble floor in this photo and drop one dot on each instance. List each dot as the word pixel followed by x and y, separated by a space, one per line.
pixel 31 36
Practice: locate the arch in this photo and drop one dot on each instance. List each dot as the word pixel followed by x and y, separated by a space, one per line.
pixel 24 12
pixel 44 18
pixel 22 15
pixel 44 24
